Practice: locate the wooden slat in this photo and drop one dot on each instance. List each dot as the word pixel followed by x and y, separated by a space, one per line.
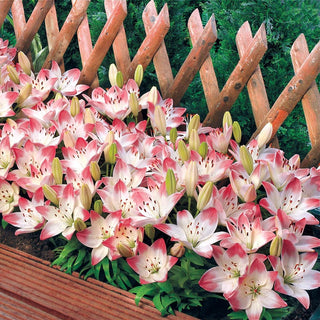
pixel 194 61
pixel 207 73
pixel 294 91
pixel 5 7
pixel 67 32
pixel 160 60
pixel 103 44
pixel 29 280
pixel 151 43
pixel 238 78
pixel 120 44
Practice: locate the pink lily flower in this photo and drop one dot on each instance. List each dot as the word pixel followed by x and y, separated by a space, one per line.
pixel 28 219
pixel 255 291
pixel 100 230
pixel 219 139
pixel 248 232
pixel 295 274
pixel 6 101
pixel 9 196
pixel 7 158
pixel 232 264
pixel 6 54
pixel 152 263
pixel 61 219
pixel 197 234
pixel 291 200
pixel 66 83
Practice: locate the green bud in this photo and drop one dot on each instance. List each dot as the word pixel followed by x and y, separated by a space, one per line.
pixel 184 153
pixel 24 63
pixel 119 79
pixel 113 74
pixel 95 170
pixel 74 106
pixel 173 135
pixel 50 194
pixel 134 104
pixel 236 130
pixel 193 124
pixel 110 156
pixel 97 206
pixel 138 74
pixel 13 74
pixel 160 120
pixel 203 149
pixel 124 250
pixel 153 95
pixel 276 246
pixel 58 96
pixel 85 196
pixel 227 119
pixel 191 178
pixel 24 93
pixel 79 225
pixel 205 195
pixel 246 159
pixel 171 182
pixel 57 170
pixel 149 231
pixel 194 140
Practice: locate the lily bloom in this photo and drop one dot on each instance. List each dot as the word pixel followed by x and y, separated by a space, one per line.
pixel 295 274
pixel 9 196
pixel 152 263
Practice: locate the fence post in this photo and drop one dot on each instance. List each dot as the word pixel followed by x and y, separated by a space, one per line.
pixel 4 11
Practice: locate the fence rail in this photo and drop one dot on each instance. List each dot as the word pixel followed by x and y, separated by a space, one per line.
pixel 247 73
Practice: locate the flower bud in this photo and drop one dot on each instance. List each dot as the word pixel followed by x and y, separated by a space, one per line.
pixel 85 196
pixel 265 135
pixel 236 130
pixel 227 119
pixel 68 139
pixel 24 63
pixel 149 231
pixel 58 96
pixel 119 79
pixel 138 75
pixel 276 246
pixel 153 95
pixel 95 170
pixel 194 140
pixel 13 74
pixel 97 206
pixel 193 124
pixel 113 74
pixel 246 159
pixel 191 178
pixel 184 153
pixel 11 123
pixel 124 250
pixel 89 116
pixel 74 106
pixel 79 225
pixel 24 93
pixel 134 104
pixel 57 171
pixel 160 120
pixel 50 194
pixel 171 182
pixel 205 195
pixel 173 135
pixel 110 153
pixel 177 250
pixel 203 149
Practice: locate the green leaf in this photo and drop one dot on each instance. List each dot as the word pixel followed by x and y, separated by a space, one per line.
pixel 70 264
pixel 158 304
pixel 40 59
pixel 4 223
pixel 146 289
pixel 165 286
pixel 194 258
pixel 80 259
pixel 106 269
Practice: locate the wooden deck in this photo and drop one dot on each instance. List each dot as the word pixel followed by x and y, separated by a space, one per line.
pixel 31 289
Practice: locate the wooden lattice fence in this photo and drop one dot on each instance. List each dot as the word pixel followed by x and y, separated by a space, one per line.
pixel 246 73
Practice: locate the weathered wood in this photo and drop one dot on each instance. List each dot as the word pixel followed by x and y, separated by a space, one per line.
pixel 255 85
pixel 311 100
pixel 194 61
pixel 103 44
pixel 238 78
pixel 312 159
pixel 19 19
pixel 293 92
pixel 52 30
pixel 32 26
pixel 160 60
pixel 120 44
pixel 151 43
pixel 207 73
pixel 67 32
pixel 5 7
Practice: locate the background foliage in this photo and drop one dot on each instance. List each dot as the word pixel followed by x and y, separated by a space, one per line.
pixel 284 21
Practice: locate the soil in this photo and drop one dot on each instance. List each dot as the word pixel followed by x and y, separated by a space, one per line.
pixel 32 244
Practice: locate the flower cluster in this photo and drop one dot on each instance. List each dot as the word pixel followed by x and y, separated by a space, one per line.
pixel 91 168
